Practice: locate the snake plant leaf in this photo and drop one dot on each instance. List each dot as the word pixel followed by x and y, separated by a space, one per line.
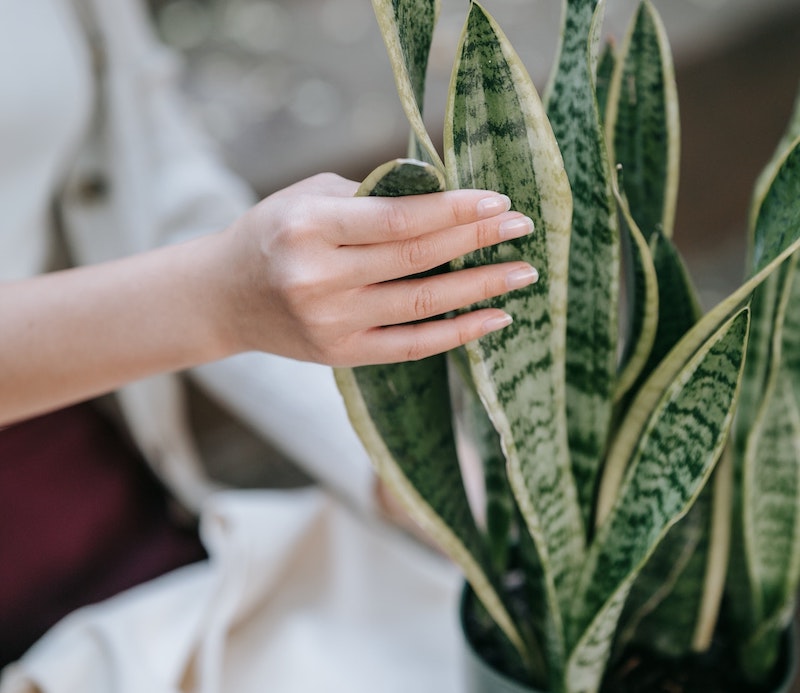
pixel 670 460
pixel 791 133
pixel 771 490
pixel 662 606
pixel 402 413
pixel 779 212
pixel 678 307
pixel 605 69
pixel 407 28
pixel 666 599
pixel 642 122
pixel 485 442
pixel 497 137
pixel 765 298
pixel 642 301
pixel 776 238
pixel 772 521
pixel 680 589
pixel 592 295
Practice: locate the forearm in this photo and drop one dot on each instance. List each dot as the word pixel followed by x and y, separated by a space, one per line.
pixel 71 335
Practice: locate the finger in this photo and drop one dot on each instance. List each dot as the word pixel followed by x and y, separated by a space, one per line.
pixel 369 220
pixel 405 301
pixel 386 261
pixel 421 340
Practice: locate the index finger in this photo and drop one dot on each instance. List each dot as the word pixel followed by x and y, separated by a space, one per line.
pixel 370 220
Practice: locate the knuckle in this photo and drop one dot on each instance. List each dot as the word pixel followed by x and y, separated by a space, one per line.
pixel 418 349
pixel 297 226
pixel 396 219
pixel 464 334
pixel 423 302
pixel 493 284
pixel 417 254
pixel 461 211
pixel 485 234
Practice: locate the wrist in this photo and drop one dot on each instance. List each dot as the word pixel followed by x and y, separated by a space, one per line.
pixel 214 298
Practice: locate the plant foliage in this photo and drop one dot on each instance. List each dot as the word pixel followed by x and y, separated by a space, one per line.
pixel 598 435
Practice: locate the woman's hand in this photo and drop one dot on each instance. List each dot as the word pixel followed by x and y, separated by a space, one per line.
pixel 318 274
pixel 311 272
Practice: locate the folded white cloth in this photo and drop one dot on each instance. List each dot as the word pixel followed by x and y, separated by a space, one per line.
pixel 298 596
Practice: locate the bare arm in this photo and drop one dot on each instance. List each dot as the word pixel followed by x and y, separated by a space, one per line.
pixel 307 273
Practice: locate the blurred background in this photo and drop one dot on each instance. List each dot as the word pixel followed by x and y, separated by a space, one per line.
pixel 289 88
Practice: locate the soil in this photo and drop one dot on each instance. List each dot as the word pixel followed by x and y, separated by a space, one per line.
pixel 643 672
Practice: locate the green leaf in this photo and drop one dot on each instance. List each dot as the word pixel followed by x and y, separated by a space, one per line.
pixel 791 134
pixel 670 457
pixel 666 598
pixel 778 237
pixel 779 212
pixel 402 414
pixel 591 354
pixel 407 28
pixel 605 70
pixel 497 137
pixel 678 308
pixel 485 442
pixel 765 298
pixel 770 499
pixel 642 122
pixel 642 303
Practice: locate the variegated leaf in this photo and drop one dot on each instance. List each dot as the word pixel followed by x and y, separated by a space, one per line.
pixel 791 133
pixel 765 298
pixel 678 307
pixel 670 457
pixel 777 237
pixel 484 441
pixel 642 122
pixel 664 602
pixel 605 70
pixel 497 137
pixel 642 302
pixel 407 28
pixel 592 296
pixel 402 414
pixel 770 501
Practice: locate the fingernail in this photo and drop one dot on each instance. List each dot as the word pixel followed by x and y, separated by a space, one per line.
pixel 494 324
pixel 515 228
pixel 518 278
pixel 496 204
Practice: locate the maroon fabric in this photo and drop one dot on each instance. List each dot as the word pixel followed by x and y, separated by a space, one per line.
pixel 81 519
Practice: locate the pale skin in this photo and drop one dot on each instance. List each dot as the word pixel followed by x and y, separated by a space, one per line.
pixel 311 272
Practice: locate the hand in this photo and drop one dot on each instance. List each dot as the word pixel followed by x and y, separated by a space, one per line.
pixel 322 275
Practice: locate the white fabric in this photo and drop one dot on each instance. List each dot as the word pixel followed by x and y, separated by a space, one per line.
pixel 45 105
pixel 297 597
pixel 298 407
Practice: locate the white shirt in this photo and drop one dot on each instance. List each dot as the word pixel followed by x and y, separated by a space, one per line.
pixel 45 106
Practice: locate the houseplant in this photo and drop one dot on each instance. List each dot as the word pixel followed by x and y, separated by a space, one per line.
pixel 641 466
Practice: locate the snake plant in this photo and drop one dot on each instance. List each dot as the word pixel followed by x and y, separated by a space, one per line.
pixel 641 459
